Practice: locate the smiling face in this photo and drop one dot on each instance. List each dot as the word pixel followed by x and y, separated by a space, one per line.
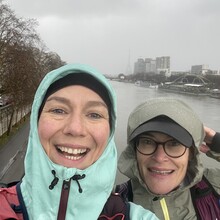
pixel 74 127
pixel 162 173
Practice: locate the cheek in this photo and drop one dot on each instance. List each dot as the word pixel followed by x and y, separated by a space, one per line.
pixel 183 165
pixel 45 130
pixel 141 159
pixel 142 162
pixel 101 137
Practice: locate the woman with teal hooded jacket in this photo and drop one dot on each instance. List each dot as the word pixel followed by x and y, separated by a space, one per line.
pixel 71 159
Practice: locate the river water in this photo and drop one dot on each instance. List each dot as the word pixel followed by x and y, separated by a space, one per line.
pixel 129 96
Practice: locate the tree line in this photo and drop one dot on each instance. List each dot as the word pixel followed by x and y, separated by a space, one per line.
pixel 24 59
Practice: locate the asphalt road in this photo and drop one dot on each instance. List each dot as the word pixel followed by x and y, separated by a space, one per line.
pixel 12 156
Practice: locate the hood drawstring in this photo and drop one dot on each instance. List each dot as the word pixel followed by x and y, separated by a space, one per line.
pixel 54 181
pixel 78 177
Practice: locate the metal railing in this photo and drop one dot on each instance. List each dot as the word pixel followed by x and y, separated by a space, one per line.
pixel 5 114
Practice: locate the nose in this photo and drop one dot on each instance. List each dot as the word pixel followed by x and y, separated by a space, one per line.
pixel 74 125
pixel 160 154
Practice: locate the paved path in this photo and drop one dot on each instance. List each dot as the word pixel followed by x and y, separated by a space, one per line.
pixel 12 156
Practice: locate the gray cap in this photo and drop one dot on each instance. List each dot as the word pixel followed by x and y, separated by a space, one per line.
pixel 185 125
pixel 167 126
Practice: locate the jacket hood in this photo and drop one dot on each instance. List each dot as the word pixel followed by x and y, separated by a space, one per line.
pixel 43 203
pixel 176 110
pixel 181 114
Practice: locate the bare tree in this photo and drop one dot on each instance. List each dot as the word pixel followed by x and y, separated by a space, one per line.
pixel 17 63
pixel 23 60
pixel 14 30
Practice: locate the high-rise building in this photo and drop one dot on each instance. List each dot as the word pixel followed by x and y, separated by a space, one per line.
pixel 140 66
pixel 199 69
pixel 163 63
pixel 149 65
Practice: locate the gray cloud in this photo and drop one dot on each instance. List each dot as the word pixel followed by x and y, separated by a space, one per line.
pixel 73 8
pixel 102 32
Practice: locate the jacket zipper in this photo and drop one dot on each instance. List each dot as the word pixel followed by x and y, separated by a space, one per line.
pixel 64 200
pixel 165 209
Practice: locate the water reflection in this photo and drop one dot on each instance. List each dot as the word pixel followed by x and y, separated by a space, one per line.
pixel 129 96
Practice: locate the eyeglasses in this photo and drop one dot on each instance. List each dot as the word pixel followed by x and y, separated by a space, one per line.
pixel 148 146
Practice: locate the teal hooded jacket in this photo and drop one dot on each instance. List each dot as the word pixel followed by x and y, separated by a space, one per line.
pixel 43 203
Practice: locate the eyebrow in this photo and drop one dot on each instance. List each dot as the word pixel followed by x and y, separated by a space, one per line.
pixel 97 103
pixel 58 99
pixel 67 101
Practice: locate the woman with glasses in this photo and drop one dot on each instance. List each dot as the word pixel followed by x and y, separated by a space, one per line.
pixel 162 160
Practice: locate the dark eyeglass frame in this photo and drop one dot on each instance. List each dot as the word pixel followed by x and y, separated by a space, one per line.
pixel 157 144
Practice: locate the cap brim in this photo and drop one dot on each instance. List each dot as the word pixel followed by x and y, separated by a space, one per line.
pixel 167 127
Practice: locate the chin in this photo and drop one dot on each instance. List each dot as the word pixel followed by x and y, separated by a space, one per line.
pixel 160 190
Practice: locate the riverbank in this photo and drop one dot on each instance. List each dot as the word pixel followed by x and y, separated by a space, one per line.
pixel 4 139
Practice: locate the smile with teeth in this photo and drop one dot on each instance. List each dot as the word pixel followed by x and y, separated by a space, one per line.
pixel 72 154
pixel 161 172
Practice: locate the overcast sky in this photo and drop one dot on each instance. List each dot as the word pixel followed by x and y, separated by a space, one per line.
pixel 111 35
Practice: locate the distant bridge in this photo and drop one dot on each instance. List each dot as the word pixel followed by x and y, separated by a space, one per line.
pixel 192 79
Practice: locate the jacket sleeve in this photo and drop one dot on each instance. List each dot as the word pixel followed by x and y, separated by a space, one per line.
pixel 138 212
pixel 215 147
pixel 8 197
pixel 213 155
pixel 213 176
